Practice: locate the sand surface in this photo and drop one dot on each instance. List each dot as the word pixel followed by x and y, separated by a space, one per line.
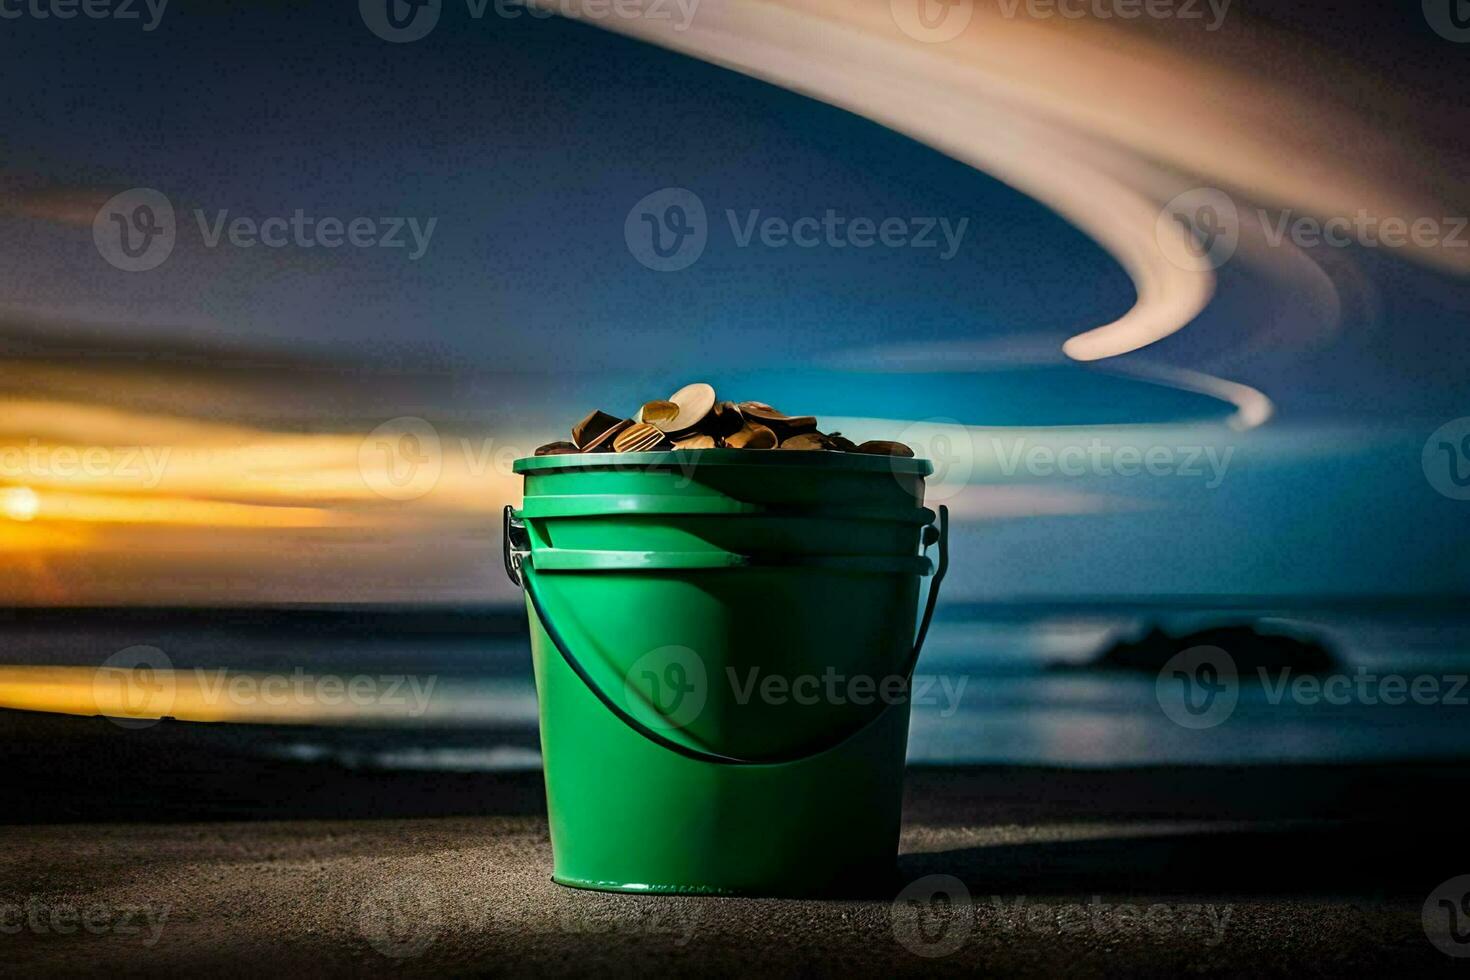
pixel 142 855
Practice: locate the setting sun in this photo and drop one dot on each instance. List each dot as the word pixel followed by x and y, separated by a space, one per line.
pixel 19 503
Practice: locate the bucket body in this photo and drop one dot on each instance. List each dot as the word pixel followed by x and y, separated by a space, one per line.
pixel 721 640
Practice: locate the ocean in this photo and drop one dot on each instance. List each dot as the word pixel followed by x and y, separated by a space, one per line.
pixel 999 684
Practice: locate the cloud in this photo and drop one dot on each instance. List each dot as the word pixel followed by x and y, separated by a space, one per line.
pixel 1103 124
pixel 74 206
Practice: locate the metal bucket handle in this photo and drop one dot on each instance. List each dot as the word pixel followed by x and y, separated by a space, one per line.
pixel 517 554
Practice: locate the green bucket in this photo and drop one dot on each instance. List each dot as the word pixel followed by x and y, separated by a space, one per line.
pixel 723 642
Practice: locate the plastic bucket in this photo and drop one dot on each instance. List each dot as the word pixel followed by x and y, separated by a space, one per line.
pixel 722 643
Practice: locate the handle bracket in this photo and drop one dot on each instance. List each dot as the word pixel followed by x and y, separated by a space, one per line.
pixel 515 545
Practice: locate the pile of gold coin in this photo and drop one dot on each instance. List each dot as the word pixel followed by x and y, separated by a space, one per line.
pixel 693 418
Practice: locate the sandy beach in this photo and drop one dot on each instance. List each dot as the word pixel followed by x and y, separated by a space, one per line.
pixel 144 852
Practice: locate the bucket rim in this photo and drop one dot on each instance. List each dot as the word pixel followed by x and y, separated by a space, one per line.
pixel 816 459
pixel 552 505
pixel 553 560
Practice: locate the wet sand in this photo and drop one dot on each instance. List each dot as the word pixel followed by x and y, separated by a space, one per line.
pixel 150 852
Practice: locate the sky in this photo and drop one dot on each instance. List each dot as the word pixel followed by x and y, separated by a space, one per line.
pixel 233 398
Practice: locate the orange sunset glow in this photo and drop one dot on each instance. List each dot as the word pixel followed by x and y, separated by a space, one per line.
pixel 101 504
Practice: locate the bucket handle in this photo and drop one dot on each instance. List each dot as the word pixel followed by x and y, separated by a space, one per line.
pixel 517 556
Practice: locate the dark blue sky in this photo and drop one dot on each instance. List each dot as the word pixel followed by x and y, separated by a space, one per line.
pixel 529 141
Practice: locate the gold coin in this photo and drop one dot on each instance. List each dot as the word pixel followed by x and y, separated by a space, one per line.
pixel 787 425
pixel 753 436
pixel 692 418
pixel 640 437
pixel 722 420
pixel 695 402
pixel 603 440
pixel 591 427
pixel 806 440
pixel 881 447
pixel 658 412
